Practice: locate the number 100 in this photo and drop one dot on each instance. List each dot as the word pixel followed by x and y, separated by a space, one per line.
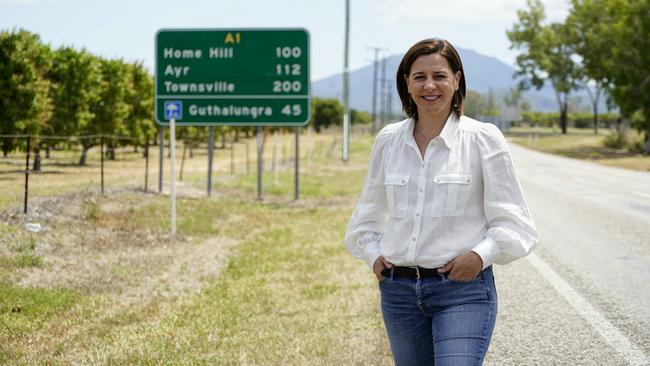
pixel 287 52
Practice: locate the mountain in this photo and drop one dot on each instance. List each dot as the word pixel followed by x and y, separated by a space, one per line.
pixel 481 73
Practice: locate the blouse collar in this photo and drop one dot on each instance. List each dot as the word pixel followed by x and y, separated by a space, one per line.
pixel 448 133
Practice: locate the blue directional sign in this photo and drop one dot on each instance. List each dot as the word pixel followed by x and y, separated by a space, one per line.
pixel 173 109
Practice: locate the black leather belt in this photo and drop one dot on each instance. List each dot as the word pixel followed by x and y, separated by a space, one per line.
pixel 413 273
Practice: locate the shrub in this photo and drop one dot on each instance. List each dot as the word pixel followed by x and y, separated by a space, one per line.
pixel 615 140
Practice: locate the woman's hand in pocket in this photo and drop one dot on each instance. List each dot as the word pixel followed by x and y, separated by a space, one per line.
pixel 380 264
pixel 465 267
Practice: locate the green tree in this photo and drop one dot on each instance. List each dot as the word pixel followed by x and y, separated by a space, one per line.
pixel 359 117
pixel 630 76
pixel 492 104
pixel 325 112
pixel 589 22
pixel 475 104
pixel 24 103
pixel 139 123
pixel 547 55
pixel 75 81
pixel 515 100
pixel 612 40
pixel 111 110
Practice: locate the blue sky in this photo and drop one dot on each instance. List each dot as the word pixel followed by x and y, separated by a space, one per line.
pixel 126 28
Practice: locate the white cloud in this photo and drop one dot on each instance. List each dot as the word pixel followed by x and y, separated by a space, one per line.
pixel 463 11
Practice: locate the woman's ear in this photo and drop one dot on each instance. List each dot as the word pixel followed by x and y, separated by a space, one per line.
pixel 457 76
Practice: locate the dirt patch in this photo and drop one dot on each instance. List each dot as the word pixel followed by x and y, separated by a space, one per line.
pixel 130 266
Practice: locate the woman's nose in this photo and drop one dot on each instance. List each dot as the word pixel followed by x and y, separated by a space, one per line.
pixel 429 84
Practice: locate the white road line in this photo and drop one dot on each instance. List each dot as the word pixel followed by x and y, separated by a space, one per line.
pixel 615 338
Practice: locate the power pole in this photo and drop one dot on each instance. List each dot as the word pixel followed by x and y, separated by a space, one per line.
pixel 382 91
pixel 374 87
pixel 389 99
pixel 346 85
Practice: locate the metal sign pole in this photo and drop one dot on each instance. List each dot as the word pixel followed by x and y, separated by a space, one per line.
pixel 296 187
pixel 161 150
pixel 172 191
pixel 260 167
pixel 346 85
pixel 210 157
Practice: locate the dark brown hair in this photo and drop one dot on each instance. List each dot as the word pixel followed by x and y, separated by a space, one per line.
pixel 427 47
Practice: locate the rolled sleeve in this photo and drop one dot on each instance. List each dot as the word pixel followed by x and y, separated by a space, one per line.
pixel 488 250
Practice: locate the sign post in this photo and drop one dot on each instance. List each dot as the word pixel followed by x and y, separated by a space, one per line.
pixel 232 77
pixel 172 165
pixel 172 111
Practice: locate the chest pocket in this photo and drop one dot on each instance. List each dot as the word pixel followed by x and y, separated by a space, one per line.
pixel 450 194
pixel 397 194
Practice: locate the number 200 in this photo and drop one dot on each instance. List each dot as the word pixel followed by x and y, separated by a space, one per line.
pixel 286 86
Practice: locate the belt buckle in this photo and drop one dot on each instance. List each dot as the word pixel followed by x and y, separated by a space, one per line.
pixel 417 271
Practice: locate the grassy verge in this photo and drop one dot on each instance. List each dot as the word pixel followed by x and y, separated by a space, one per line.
pixel 579 144
pixel 289 295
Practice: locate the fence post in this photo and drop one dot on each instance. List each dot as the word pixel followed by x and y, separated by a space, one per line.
pixel 248 162
pixel 27 173
pixel 146 165
pixel 101 151
pixel 232 157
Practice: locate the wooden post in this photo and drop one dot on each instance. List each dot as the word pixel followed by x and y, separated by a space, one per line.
pixel 146 165
pixel 27 173
pixel 101 151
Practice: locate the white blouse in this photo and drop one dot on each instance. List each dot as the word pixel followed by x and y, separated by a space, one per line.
pixel 463 195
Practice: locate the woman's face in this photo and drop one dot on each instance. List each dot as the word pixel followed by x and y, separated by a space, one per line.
pixel 432 84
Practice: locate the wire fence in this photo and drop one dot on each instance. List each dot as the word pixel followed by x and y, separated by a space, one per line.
pixel 38 166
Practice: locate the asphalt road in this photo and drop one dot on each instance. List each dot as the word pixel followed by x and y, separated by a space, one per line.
pixel 584 297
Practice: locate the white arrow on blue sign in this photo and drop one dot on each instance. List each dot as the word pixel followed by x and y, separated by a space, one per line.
pixel 173 109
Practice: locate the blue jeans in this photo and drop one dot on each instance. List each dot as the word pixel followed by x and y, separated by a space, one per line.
pixel 439 321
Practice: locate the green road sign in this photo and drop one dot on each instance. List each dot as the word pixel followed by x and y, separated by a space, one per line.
pixel 243 77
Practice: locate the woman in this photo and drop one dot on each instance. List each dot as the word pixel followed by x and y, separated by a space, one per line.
pixel 441 203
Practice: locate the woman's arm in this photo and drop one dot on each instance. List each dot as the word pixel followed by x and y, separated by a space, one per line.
pixel 366 225
pixel 511 231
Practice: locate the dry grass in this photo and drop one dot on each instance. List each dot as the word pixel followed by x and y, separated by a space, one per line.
pixel 243 283
pixel 61 175
pixel 580 144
